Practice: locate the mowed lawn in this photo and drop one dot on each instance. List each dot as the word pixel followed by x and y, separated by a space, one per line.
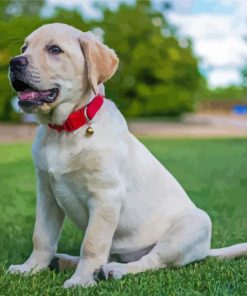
pixel 213 172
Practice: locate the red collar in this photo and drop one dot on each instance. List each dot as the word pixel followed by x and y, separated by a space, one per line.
pixel 80 117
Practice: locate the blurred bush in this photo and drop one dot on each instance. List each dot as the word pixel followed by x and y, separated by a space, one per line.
pixel 232 92
pixel 158 74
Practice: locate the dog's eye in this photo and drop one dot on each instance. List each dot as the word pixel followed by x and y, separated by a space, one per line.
pixel 23 49
pixel 54 49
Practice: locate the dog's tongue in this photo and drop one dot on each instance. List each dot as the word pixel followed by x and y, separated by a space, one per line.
pixel 30 94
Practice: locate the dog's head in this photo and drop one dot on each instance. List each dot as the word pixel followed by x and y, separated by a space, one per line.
pixel 57 66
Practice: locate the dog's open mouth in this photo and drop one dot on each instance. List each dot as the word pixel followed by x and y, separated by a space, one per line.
pixel 30 97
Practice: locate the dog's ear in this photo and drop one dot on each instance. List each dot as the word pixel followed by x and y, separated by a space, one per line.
pixel 101 61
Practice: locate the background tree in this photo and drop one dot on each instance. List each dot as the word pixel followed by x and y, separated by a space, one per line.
pixel 158 75
pixel 13 8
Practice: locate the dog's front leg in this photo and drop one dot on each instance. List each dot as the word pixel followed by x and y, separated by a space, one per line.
pixel 49 219
pixel 103 220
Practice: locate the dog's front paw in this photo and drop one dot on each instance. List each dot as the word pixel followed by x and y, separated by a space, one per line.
pixel 21 268
pixel 110 271
pixel 76 281
pixel 25 269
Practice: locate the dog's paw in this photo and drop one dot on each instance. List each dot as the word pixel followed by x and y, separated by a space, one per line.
pixel 110 271
pixel 79 281
pixel 22 268
pixel 25 269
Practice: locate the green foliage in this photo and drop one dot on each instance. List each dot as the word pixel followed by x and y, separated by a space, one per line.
pixel 213 172
pixel 12 8
pixel 220 93
pixel 156 75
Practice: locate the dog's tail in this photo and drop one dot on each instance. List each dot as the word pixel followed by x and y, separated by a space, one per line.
pixel 238 250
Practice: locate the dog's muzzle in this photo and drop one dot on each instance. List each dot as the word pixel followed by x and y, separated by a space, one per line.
pixel 29 96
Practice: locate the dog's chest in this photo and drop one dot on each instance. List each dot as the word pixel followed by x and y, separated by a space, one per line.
pixel 72 195
pixel 58 154
pixel 70 168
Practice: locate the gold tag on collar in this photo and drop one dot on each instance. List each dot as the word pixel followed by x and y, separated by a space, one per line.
pixel 89 131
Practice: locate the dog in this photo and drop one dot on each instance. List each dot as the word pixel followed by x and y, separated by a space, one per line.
pixel 90 168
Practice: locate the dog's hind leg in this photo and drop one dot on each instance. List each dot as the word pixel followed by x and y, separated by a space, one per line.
pixel 187 240
pixel 60 262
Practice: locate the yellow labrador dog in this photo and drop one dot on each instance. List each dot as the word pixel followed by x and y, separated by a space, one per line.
pixel 90 168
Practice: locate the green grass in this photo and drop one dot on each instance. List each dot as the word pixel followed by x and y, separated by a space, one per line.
pixel 214 173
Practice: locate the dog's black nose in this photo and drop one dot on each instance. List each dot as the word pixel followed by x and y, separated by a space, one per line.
pixel 18 63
